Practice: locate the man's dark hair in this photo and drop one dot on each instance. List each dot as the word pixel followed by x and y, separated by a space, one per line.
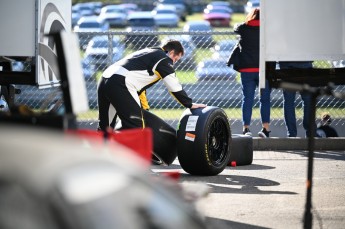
pixel 173 45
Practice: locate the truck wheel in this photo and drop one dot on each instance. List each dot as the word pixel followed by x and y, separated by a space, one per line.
pixel 203 141
pixel 164 139
pixel 242 149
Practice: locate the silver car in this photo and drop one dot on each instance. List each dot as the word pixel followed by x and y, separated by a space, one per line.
pixel 115 15
pixel 89 24
pixel 223 49
pixel 97 51
pixel 180 7
pixel 214 69
pixel 166 16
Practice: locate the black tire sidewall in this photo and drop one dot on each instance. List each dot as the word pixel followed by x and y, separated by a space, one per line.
pixel 194 156
pixel 242 149
pixel 164 138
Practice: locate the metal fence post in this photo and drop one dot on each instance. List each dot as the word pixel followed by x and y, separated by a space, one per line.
pixel 110 50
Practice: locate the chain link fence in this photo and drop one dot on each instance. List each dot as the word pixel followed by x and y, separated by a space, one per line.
pixel 202 71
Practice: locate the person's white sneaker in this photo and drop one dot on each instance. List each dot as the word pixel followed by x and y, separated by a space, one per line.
pixel 264 133
pixel 247 132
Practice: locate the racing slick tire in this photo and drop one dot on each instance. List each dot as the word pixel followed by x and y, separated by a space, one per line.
pixel 242 149
pixel 164 139
pixel 203 141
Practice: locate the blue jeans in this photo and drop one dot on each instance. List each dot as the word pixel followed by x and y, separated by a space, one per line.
pixel 289 102
pixel 290 114
pixel 250 81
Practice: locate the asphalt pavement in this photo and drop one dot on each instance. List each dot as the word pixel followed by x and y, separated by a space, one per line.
pixel 271 192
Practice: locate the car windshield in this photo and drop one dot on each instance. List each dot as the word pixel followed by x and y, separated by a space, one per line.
pixel 226 4
pixel 185 44
pixel 172 1
pixel 116 10
pixel 85 8
pixel 142 22
pixel 199 28
pixel 165 12
pixel 103 44
pixel 212 64
pixel 218 10
pixel 254 4
pixel 226 45
pixel 100 44
pixel 89 25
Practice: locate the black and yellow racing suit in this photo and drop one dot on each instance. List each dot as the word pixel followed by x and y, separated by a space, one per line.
pixel 123 82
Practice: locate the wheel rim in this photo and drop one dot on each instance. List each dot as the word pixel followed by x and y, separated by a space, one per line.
pixel 218 137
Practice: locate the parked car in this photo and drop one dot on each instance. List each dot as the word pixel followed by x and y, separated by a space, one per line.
pixel 18 66
pixel 237 6
pixel 250 5
pixel 337 63
pixel 75 17
pixel 180 7
pixel 187 62
pixel 115 15
pixel 96 6
pixel 202 40
pixel 97 51
pixel 130 7
pixel 140 29
pixel 219 4
pixel 214 69
pixel 166 16
pixel 89 24
pixel 85 9
pixel 218 16
pixel 223 49
pixel 88 69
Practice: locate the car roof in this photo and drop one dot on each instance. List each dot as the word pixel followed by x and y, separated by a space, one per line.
pixel 218 9
pixel 140 14
pixel 113 7
pixel 213 62
pixel 165 7
pixel 193 24
pixel 171 1
pixel 89 19
pixel 227 41
pixel 103 37
pixel 110 7
pixel 218 3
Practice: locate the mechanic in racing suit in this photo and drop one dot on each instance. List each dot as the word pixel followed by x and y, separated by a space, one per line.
pixel 124 81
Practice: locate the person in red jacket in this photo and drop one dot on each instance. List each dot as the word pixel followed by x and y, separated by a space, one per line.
pixel 249 32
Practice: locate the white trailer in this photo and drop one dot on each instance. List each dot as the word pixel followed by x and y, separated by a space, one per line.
pixel 24 26
pixel 302 30
pixel 39 30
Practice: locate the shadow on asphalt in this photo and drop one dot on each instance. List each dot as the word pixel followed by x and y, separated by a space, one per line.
pixel 229 183
pixel 236 184
pixel 331 155
pixel 252 167
pixel 245 167
pixel 214 223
